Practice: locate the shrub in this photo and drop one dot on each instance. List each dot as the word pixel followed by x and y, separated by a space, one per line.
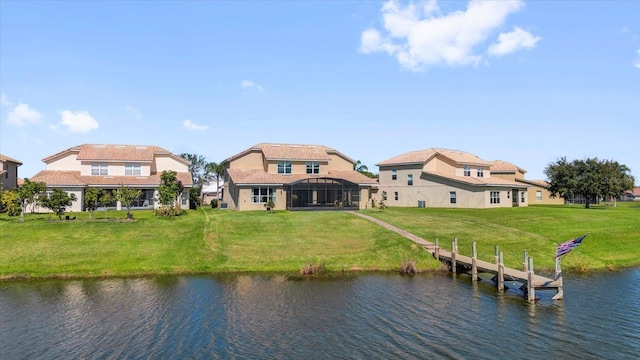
pixel 10 203
pixel 214 203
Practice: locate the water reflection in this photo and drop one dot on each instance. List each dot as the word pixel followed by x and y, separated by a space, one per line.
pixel 366 316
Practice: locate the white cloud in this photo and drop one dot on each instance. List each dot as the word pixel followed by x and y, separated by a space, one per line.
pixel 513 41
pixel 22 114
pixel 251 85
pixel 636 62
pixel 78 122
pixel 420 36
pixel 190 125
pixel 4 100
pixel 133 112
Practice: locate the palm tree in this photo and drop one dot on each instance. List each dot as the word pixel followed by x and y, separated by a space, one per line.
pixel 360 167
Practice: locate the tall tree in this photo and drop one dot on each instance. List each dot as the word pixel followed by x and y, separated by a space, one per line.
pixel 590 178
pixel 363 169
pixel 216 171
pixel 197 168
pixel 57 201
pixel 29 193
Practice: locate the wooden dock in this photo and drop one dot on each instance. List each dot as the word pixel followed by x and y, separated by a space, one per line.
pixel 458 263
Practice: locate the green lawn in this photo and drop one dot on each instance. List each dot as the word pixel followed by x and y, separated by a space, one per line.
pixel 207 240
pixel 613 241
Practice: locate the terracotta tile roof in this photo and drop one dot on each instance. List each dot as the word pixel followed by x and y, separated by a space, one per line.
pixel 294 152
pixel 5 158
pixel 504 166
pixel 539 183
pixel 247 177
pixel 112 152
pixel 422 156
pixel 73 178
pixel 636 191
pixel 474 181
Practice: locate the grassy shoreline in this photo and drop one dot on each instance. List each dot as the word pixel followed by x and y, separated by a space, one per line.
pixel 211 241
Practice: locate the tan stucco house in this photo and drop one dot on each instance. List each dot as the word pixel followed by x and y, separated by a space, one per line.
pixel 446 178
pixel 8 172
pixel 537 191
pixel 294 177
pixel 110 166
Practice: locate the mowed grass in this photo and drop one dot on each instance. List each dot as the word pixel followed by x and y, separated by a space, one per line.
pixel 613 241
pixel 202 241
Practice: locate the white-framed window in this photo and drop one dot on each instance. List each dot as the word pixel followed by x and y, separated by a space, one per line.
pixel 494 197
pixel 395 195
pixel 480 172
pixel 538 195
pixel 467 170
pixel 384 195
pixel 313 167
pixel 410 179
pixel 284 167
pixel 99 169
pixel 394 174
pixel 261 195
pixel 452 197
pixel 522 197
pixel 132 169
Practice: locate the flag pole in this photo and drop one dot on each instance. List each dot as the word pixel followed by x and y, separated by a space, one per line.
pixel 560 294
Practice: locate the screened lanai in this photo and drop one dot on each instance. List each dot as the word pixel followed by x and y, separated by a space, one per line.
pixel 323 194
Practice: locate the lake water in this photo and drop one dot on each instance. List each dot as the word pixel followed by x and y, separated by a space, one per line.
pixel 374 316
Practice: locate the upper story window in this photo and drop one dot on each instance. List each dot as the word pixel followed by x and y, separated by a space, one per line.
pixel 132 169
pixel 394 174
pixel 284 167
pixel 99 169
pixel 313 167
pixel 467 170
pixel 480 172
pixel 410 179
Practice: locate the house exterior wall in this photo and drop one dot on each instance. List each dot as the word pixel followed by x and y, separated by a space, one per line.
pixel 76 206
pixel 67 162
pixel 532 197
pixel 338 163
pixel 164 163
pixel 250 161
pixel 10 177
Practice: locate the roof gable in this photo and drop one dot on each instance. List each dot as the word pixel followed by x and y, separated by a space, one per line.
pixel 112 152
pixel 5 158
pixel 422 156
pixel 292 152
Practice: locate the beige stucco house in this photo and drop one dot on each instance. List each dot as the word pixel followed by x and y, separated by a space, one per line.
pixel 8 172
pixel 110 166
pixel 446 178
pixel 537 191
pixel 294 177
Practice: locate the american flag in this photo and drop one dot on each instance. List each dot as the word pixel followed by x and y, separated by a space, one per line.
pixel 567 246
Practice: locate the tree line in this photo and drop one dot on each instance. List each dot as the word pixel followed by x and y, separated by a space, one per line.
pixel 591 178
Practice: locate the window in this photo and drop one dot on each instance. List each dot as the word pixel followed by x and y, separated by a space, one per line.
pixel 261 195
pixel 313 167
pixel 538 195
pixel 384 195
pixel 132 169
pixel 494 197
pixel 467 170
pixel 284 167
pixel 452 197
pixel 99 169
pixel 480 172
pixel 395 195
pixel 522 196
pixel 394 174
pixel 410 179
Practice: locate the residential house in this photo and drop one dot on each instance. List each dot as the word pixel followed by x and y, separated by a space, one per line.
pixel 8 172
pixel 446 178
pixel 295 177
pixel 632 195
pixel 111 166
pixel 211 191
pixel 537 191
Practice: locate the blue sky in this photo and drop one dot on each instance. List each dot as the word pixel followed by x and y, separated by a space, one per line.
pixel 525 82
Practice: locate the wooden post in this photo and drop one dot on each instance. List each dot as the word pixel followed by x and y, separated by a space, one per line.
pixel 496 256
pixel 560 293
pixel 436 253
pixel 531 291
pixel 474 262
pixel 455 240
pixel 500 282
pixel 525 266
pixel 453 257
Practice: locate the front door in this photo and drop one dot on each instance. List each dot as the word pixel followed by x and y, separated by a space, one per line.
pixel 514 197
